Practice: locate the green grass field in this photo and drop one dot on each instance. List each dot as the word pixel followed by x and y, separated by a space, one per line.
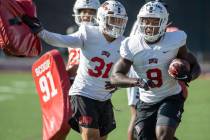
pixel 20 113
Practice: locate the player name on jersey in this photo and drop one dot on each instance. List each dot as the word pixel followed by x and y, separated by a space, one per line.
pixel 42 68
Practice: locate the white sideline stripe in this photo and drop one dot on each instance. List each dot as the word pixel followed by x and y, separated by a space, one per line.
pixel 18 87
pixel 23 84
pixel 15 90
pixel 5 89
pixel 6 97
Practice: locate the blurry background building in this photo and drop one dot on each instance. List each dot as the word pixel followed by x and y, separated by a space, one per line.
pixel 192 16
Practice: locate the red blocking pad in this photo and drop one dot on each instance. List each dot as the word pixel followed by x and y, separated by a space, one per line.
pixel 16 39
pixel 52 85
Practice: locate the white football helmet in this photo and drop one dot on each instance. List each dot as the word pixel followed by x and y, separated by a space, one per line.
pixel 153 9
pixel 112 18
pixel 85 4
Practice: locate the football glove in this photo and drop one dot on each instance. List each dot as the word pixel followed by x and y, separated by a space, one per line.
pixel 110 87
pixel 186 77
pixel 146 85
pixel 33 23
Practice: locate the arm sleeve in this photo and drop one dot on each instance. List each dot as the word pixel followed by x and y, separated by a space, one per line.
pixel 182 37
pixel 125 51
pixel 74 40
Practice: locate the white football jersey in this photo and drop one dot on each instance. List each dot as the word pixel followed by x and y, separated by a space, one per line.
pixel 151 61
pixel 97 57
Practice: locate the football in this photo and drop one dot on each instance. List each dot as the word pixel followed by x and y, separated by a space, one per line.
pixel 178 67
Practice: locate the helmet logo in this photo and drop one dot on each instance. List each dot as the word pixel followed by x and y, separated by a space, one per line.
pixel 119 10
pixel 152 7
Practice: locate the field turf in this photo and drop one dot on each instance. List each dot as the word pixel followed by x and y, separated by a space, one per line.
pixel 20 113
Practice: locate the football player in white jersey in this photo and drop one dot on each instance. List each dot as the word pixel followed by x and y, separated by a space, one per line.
pixel 90 94
pixel 161 101
pixel 84 13
pixel 133 92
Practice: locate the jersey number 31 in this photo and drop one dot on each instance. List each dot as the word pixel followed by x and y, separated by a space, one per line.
pixel 98 71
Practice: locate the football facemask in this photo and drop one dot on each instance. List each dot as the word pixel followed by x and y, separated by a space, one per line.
pixel 149 26
pixel 115 25
pixel 152 11
pixel 90 7
pixel 112 18
pixel 87 18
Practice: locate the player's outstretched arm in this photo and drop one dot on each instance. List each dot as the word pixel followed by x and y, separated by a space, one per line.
pixel 119 76
pixel 195 69
pixel 51 38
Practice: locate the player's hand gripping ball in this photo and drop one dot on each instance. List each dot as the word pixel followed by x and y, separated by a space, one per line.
pixel 179 69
